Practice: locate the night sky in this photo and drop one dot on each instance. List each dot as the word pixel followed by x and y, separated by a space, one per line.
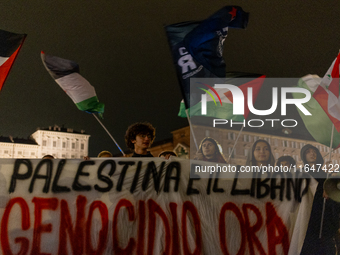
pixel 122 50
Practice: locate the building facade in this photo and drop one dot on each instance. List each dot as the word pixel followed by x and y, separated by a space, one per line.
pixel 57 141
pixel 18 148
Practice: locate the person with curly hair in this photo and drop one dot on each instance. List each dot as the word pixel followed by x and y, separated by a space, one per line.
pixel 210 150
pixel 139 137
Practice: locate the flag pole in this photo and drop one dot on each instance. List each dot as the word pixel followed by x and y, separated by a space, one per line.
pixel 109 134
pixel 324 199
pixel 331 151
pixel 231 153
pixel 191 129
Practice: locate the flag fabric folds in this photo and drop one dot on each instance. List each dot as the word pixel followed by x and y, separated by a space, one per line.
pixel 10 45
pixel 318 124
pixel 66 73
pixel 327 94
pixel 197 47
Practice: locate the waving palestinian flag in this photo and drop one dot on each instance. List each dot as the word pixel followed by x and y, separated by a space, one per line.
pixel 10 45
pixel 66 73
pixel 328 93
pixel 318 124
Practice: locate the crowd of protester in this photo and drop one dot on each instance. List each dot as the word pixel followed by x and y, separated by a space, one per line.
pixel 140 136
pixel 327 211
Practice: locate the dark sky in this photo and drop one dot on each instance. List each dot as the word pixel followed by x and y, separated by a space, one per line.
pixel 122 51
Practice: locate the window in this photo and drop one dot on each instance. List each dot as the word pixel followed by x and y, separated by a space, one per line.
pixel 285 143
pixel 32 153
pixel 19 152
pixel 63 155
pixel 54 144
pixel 72 156
pixel 64 144
pixel 246 152
pixel 44 143
pixel 207 133
pixel 246 138
pixel 231 136
pixel 73 145
pixel 5 151
pixel 267 139
pixel 82 146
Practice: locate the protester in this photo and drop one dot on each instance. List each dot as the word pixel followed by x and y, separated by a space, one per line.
pixel 167 154
pixel 105 154
pixel 312 158
pixel 102 154
pixel 139 137
pixel 261 154
pixel 48 156
pixel 210 150
pixel 287 161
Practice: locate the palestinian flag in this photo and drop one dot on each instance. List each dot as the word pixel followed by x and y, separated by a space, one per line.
pixel 219 101
pixel 10 45
pixel 318 124
pixel 66 74
pixel 327 94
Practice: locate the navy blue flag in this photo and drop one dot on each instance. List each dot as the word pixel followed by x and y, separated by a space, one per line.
pixel 197 47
